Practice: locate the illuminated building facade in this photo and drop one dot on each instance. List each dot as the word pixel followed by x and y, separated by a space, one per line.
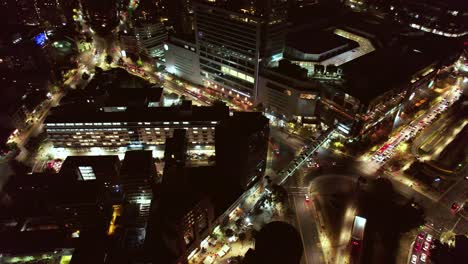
pixel 182 59
pixel 133 127
pixel 234 38
pixel 137 174
pixel 448 18
pixel 288 93
pixel 151 36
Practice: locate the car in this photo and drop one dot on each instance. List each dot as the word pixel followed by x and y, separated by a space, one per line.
pixel 455 208
pixel 414 259
pixel 423 257
pixel 429 238
pixel 426 246
pixel 421 235
pixel 307 198
pixel 417 246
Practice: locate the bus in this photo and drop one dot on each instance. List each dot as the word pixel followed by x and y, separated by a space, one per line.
pixel 357 237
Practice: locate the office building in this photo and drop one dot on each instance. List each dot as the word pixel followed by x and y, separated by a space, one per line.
pixel 101 15
pixel 18 12
pixel 232 39
pixel 242 140
pixel 50 12
pixel 448 18
pixel 194 199
pixel 137 176
pixel 287 93
pixel 179 16
pixel 151 36
pixel 133 127
pixel 74 216
pixel 325 48
pixel 182 59
pixel 104 169
pixel 184 214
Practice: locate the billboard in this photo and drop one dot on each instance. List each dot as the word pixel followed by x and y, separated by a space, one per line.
pixel 40 39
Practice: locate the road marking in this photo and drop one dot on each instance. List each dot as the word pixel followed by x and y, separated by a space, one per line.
pixel 300 230
pixel 456 223
pixel 449 189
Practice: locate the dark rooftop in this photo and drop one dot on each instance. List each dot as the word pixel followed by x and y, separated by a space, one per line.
pixel 77 193
pixel 316 42
pixel 378 72
pixel 138 164
pixel 67 114
pixel 134 96
pixel 105 168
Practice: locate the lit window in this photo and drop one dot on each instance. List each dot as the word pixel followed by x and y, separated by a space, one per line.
pixel 308 96
pixel 87 172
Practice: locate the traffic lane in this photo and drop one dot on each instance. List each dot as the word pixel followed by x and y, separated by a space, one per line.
pixel 288 148
pixel 457 193
pixel 419 123
pixel 281 136
pixel 174 87
pixel 308 230
pixel 437 213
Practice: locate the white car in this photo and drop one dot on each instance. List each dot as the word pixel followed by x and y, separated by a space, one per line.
pixel 426 246
pixel 414 259
pixel 423 257
pixel 429 238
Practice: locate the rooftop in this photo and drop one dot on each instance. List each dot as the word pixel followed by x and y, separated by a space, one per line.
pixel 138 164
pixel 80 192
pixel 89 113
pixel 316 42
pixel 105 168
pixel 380 71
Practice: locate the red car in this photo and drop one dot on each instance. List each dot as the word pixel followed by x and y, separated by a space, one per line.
pixel 455 208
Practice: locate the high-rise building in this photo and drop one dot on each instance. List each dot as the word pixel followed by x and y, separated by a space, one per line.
pixel 182 59
pixel 21 12
pixel 242 140
pixel 50 12
pixel 101 15
pixel 151 37
pixel 137 173
pixel 233 37
pixel 179 16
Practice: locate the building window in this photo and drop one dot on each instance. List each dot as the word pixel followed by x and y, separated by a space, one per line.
pixel 87 172
pixel 308 96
